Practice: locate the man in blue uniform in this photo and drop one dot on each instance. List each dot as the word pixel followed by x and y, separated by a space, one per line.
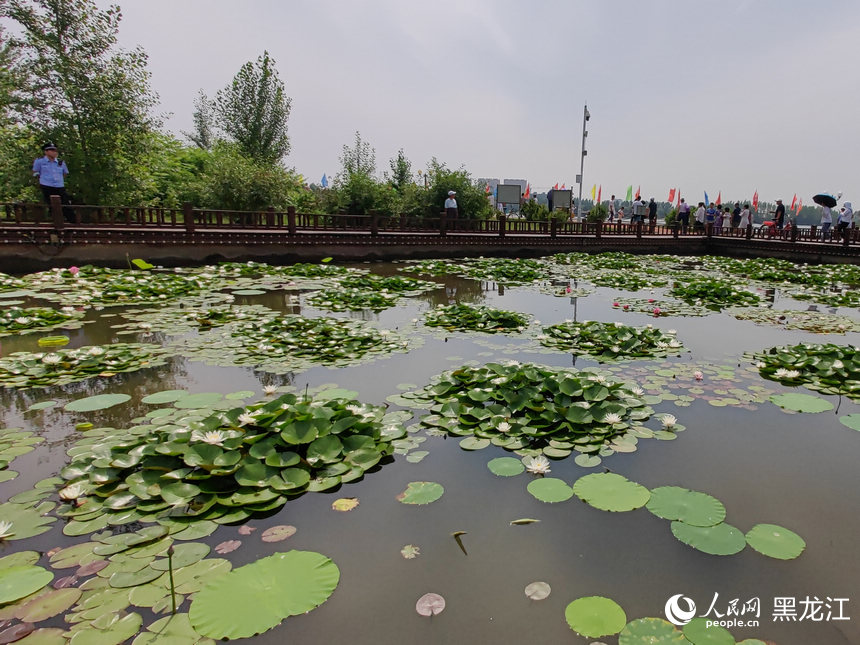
pixel 52 172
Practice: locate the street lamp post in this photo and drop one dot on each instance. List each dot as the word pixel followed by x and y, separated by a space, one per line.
pixel 585 117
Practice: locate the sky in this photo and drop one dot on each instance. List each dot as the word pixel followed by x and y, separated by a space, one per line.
pixel 724 96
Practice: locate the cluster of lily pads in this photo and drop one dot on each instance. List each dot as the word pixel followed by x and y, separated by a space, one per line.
pixel 231 464
pixel 610 341
pixel 713 293
pixel 827 368
pixel 432 267
pixel 180 320
pixel 537 411
pixel 14 442
pixel 464 317
pixel 817 322
pixel 627 280
pixel 659 308
pixel 838 297
pixel 291 342
pixel 368 291
pixel 27 369
pixel 17 320
pixel 505 271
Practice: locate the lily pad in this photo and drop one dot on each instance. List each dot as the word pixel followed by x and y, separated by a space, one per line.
pixel 165 396
pixel 851 421
pixel 42 405
pixel 698 632
pixel 722 539
pixel 117 630
pixel 278 533
pixel 344 504
pixel 430 604
pixel 98 402
pixel 595 616
pixel 775 541
pixel 801 402
pixel 691 507
pixel 256 597
pixel 537 590
pixel 506 466
pixel 650 631
pixel 53 341
pixel 20 581
pixel 50 604
pixel 550 490
pixel 421 493
pixel 611 492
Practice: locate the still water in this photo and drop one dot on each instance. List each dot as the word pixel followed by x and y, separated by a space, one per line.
pixel 767 466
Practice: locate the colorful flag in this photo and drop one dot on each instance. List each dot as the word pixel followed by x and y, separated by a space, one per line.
pixel 639 192
pixel 528 191
pixel 629 197
pixel 719 198
pixel 671 195
pixel 799 206
pixel 594 192
pixel 324 181
pixel 679 200
pixel 562 186
pixel 488 189
pixel 599 193
pixel 755 201
pixel 556 186
pixel 793 202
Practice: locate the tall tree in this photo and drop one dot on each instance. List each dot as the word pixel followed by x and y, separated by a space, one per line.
pixel 359 160
pixel 203 134
pixel 90 97
pixel 253 111
pixel 401 171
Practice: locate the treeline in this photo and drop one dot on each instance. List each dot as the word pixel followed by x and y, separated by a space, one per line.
pixel 64 79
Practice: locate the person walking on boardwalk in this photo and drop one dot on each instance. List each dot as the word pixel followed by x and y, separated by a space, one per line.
pixel 846 215
pixel 779 214
pixel 699 224
pixel 451 205
pixel 736 215
pixel 684 216
pixel 51 172
pixel 613 208
pixel 826 222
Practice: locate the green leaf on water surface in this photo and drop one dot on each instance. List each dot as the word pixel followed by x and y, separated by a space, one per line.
pixel 238 396
pixel 48 605
pixel 651 631
pixel 116 631
pixel 691 507
pixel 201 400
pixel 98 402
pixel 20 559
pixel 278 533
pixel 722 539
pixel 595 616
pixel 256 597
pixel 165 396
pixel 550 490
pixel 587 461
pixel 42 405
pixel 52 341
pixel 249 292
pixel 775 541
pixel 474 443
pixel 851 421
pixel 171 630
pixel 801 402
pixel 537 591
pixel 142 264
pixel 698 632
pixel 421 493
pixel 506 466
pixel 183 555
pixel 26 522
pixel 20 581
pixel 611 492
pixel 44 636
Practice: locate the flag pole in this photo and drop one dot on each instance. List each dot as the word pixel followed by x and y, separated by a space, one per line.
pixel 585 117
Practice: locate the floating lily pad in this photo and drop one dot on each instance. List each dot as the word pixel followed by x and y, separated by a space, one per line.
pixel 199 400
pixel 550 490
pixel 42 405
pixel 278 533
pixel 474 443
pixel 183 555
pixel 115 631
pixel 165 396
pixel 227 546
pixel 851 421
pixel 344 504
pixel 421 493
pixel 775 541
pixel 611 492
pixel 691 507
pixel 506 466
pixel 254 598
pixel 53 341
pixel 595 616
pixel 249 292
pixel 98 402
pixel 20 581
pixel 537 590
pixel 430 604
pixel 722 539
pixel 650 631
pixel 698 632
pixel 47 605
pixel 801 402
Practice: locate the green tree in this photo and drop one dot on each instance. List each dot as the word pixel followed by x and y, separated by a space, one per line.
pixel 401 171
pixel 253 111
pixel 472 199
pixel 360 159
pixel 90 97
pixel 203 134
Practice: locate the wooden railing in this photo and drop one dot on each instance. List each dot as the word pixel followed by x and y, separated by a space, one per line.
pixel 189 219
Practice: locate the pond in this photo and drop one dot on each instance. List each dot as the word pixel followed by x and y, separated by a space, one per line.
pixel 628 378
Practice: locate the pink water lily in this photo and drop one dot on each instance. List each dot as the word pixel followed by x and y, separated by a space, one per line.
pixel 656 311
pixel 74 270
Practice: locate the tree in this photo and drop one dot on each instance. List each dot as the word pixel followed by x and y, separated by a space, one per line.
pixel 253 111
pixel 358 160
pixel 203 135
pixel 401 171
pixel 92 99
pixel 472 199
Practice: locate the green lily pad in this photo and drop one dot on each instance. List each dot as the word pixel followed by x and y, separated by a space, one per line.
pixel 595 616
pixel 238 396
pixel 20 581
pixel 98 402
pixel 45 636
pixel 650 631
pixel 722 539
pixel 421 493
pixel 474 443
pixel 53 341
pixel 587 461
pixel 691 507
pixel 117 630
pixel 165 396
pixel 183 555
pixel 50 604
pixel 775 541
pixel 201 400
pixel 550 490
pixel 698 632
pixel 42 405
pixel 506 466
pixel 801 402
pixel 611 492
pixel 257 597
pixel 249 292
pixel 851 421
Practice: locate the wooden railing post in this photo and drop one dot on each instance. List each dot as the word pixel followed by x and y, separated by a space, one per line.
pixel 813 233
pixel 443 223
pixel 57 212
pixel 553 227
pixel 291 220
pixel 374 223
pixel 846 237
pixel 598 229
pixel 402 221
pixel 749 231
pixel 794 233
pixel 638 229
pixel 709 229
pixel 675 227
pixel 188 216
pixel 270 217
pixel 502 222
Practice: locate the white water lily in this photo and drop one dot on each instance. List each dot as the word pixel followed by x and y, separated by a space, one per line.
pixel 638 391
pixel 837 364
pixel 537 465
pixel 615 349
pixel 95 351
pixel 786 374
pixel 212 437
pixel 269 390
pixel 355 409
pixel 73 491
pixel 51 359
pixel 761 365
pixel 662 345
pixel 245 419
pixel 504 426
pixel 6 529
pixel 67 310
pixel 612 418
pixel 672 331
pixel 668 421
pixel 674 343
pixel 499 381
pixel 23 320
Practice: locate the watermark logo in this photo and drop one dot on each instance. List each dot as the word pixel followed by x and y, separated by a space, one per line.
pixel 676 614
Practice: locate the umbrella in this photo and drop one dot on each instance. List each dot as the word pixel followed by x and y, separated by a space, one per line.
pixel 825 199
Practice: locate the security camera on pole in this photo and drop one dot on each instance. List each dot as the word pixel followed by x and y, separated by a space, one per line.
pixel 585 117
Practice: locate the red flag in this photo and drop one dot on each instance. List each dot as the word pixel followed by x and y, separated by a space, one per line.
pixel 487 189
pixel 678 206
pixel 799 206
pixel 599 193
pixel 528 191
pixel 671 195
pixel 562 186
pixel 719 198
pixel 638 191
pixel 793 202
pixel 556 186
pixel 755 201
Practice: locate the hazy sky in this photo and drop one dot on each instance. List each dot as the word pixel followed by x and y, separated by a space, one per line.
pixel 717 95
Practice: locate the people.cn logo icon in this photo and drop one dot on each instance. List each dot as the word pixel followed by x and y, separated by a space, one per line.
pixel 675 614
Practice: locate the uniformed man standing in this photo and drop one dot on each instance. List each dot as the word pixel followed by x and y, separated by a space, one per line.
pixel 51 173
